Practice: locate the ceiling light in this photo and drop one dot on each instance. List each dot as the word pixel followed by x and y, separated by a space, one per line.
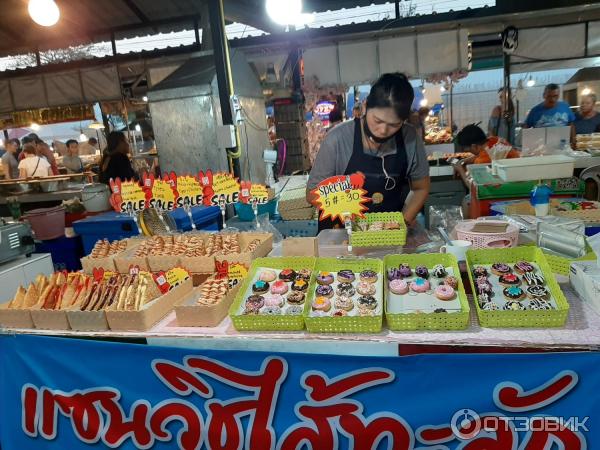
pixel 34 126
pixel 145 98
pixel 442 88
pixel 284 12
pixel 44 12
pixel 530 82
pixel 138 128
pixel 586 91
pixel 423 102
pixel 82 137
pixel 96 126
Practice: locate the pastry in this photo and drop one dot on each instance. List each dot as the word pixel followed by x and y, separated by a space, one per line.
pixel 260 287
pixel 367 302
pixel 490 306
pixel 376 226
pixel 296 298
pixel 344 303
pixel 451 281
pixel 279 287
pixel 420 285
pixel 274 300
pixel 509 279
pixel 303 274
pixel 346 290
pixel 524 267
pixel 444 292
pixel 324 278
pixel 369 276
pixel 514 305
pixel 212 291
pixel 539 305
pixel 324 291
pixel 483 286
pixel 300 285
pixel 340 313
pixel 271 311
pixel 364 288
pixel 538 292
pixel 480 272
pixel 405 270
pixel 346 276
pixel 256 300
pixel 394 274
pixel 439 271
pixel 399 287
pixel 421 272
pixel 513 293
pixel 268 276
pixel 321 304
pixel 391 226
pixel 500 269
pixel 287 275
pixel 533 279
pixel 294 310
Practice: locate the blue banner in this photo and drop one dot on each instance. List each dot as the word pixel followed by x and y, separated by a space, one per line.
pixel 59 393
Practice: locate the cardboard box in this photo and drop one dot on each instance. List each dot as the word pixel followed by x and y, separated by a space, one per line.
pixel 109 263
pixel 152 313
pixel 300 246
pixel 87 320
pixel 585 279
pixel 263 249
pixel 189 314
pixel 15 318
pixel 50 319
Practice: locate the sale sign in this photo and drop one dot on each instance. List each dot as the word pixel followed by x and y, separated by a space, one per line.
pixel 169 280
pixel 127 196
pixel 161 193
pixel 226 189
pixel 253 193
pixel 190 191
pixel 341 196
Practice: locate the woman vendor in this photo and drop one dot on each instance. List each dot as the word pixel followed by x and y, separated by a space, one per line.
pixel 115 161
pixel 383 147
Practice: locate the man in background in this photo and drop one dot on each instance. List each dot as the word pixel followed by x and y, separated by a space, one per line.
pixel 71 160
pixel 89 147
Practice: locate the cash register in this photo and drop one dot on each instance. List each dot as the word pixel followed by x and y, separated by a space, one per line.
pixel 16 239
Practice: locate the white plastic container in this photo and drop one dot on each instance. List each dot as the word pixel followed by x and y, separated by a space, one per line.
pixel 535 168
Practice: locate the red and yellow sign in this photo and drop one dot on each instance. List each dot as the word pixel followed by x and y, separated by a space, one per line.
pixel 170 279
pixel 235 272
pixel 127 196
pixel 225 189
pixel 161 193
pixel 190 191
pixel 340 196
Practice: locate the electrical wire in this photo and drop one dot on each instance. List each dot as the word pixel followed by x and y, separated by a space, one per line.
pixel 249 166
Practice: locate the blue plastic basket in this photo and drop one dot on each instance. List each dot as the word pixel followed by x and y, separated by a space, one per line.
pixel 246 213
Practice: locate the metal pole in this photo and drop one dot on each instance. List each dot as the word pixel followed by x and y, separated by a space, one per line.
pixel 397 9
pixel 223 69
pixel 508 110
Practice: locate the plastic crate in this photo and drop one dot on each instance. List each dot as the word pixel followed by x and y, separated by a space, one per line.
pixel 66 252
pixel 381 238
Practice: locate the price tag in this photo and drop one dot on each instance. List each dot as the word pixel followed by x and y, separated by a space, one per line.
pixel 341 196
pixel 226 189
pixel 236 273
pixel 169 280
pixel 161 193
pixel 134 269
pixel 127 196
pixel 190 191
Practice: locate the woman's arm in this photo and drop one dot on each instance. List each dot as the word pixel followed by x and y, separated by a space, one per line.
pixel 6 169
pixel 324 165
pixel 22 173
pixel 419 191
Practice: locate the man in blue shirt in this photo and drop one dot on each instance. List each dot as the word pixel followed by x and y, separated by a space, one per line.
pixel 551 112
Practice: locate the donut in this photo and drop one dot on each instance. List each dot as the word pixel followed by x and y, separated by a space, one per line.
pixel 422 272
pixel 483 286
pixel 346 276
pixel 480 272
pixel 444 292
pixel 405 270
pixel 514 305
pixel 509 279
pixel 344 303
pixel 321 304
pixel 300 285
pixel 538 292
pixel 324 291
pixel 296 298
pixel 287 274
pixel 500 269
pixel 369 276
pixel 303 274
pixel 367 302
pixel 439 271
pixel 394 274
pixel 533 279
pixel 268 276
pixel 279 287
pixel 420 285
pixel 325 278
pixel 255 300
pixel 274 300
pixel 399 287
pixel 345 290
pixel 364 288
pixel 340 313
pixel 260 287
pixel 490 306
pixel 513 293
pixel 539 305
pixel 271 311
pixel 294 310
pixel 451 281
pixel 524 267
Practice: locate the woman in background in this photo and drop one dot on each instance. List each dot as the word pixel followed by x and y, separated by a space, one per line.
pixel 497 124
pixel 115 159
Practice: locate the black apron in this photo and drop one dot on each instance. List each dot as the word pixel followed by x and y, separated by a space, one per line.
pixel 396 166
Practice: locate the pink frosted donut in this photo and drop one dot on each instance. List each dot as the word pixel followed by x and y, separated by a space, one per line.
pixel 420 285
pixel 279 287
pixel 268 276
pixel 321 304
pixel 444 292
pixel 274 300
pixel 399 287
pixel 364 288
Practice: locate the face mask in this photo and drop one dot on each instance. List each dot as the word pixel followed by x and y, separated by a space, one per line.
pixel 374 138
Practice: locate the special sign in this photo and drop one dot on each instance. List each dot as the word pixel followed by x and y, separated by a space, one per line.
pixel 341 195
pixel 127 196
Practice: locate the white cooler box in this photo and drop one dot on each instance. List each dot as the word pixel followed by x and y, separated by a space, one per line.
pixel 535 168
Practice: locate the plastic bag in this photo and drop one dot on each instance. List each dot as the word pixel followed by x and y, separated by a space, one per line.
pixel 265 226
pixel 446 216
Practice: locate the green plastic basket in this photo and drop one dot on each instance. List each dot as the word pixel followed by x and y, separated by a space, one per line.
pixel 431 321
pixel 519 319
pixel 561 265
pixel 345 324
pixel 260 322
pixel 384 238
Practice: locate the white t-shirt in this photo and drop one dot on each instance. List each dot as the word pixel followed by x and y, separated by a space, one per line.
pixel 30 163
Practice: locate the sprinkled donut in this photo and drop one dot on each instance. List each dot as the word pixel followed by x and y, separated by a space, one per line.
pixel 324 291
pixel 344 303
pixel 279 287
pixel 399 287
pixel 321 304
pixel 444 292
pixel 345 290
pixel 364 288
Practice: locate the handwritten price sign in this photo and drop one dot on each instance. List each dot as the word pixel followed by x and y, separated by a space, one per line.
pixel 226 189
pixel 160 192
pixel 341 195
pixel 190 191
pixel 127 196
pixel 236 272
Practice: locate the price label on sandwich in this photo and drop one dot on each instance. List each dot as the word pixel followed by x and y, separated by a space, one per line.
pixel 341 196
pixel 226 189
pixel 190 191
pixel 127 196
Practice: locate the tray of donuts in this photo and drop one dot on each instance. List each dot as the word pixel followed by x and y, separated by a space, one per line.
pixel 275 295
pixel 348 296
pixel 515 288
pixel 424 292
